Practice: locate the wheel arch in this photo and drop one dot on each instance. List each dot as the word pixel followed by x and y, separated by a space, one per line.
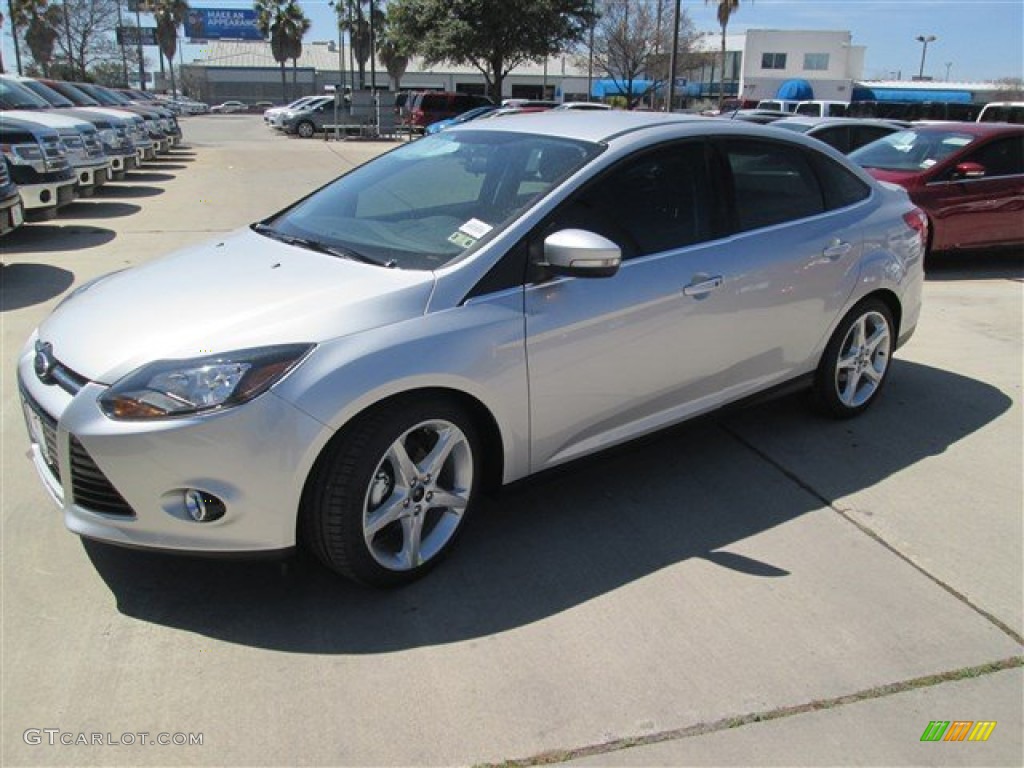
pixel 491 448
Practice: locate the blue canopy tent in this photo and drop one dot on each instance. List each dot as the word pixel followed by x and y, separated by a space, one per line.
pixel 864 93
pixel 795 90
pixel 603 88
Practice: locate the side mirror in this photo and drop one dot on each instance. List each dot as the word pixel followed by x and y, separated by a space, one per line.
pixel 579 253
pixel 969 171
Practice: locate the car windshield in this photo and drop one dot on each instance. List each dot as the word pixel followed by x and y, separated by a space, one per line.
pixel 48 94
pixel 15 96
pixel 432 201
pixel 911 150
pixel 76 95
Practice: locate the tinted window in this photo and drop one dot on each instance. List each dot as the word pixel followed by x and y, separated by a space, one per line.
pixel 433 101
pixel 840 187
pixel 862 135
pixel 653 203
pixel 773 184
pixel 1003 157
pixel 836 136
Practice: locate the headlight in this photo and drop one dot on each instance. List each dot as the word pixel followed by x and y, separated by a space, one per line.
pixel 169 388
pixel 109 137
pixel 24 154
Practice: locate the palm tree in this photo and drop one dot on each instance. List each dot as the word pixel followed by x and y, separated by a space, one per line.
pixel 392 53
pixel 726 8
pixel 363 28
pixel 285 23
pixel 169 14
pixel 41 36
pixel 298 26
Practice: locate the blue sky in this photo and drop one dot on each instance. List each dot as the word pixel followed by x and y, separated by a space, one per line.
pixel 980 39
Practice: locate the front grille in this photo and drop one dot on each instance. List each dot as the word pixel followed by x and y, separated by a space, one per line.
pixel 93 146
pixel 53 150
pixel 90 488
pixel 49 434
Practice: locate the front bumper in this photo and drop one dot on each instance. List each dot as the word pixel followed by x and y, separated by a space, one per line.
pixel 121 163
pixel 47 196
pixel 254 457
pixel 12 213
pixel 91 177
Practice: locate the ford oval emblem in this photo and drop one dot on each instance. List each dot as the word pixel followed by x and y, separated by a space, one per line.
pixel 44 362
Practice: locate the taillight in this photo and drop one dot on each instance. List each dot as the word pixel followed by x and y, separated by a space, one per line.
pixel 918 222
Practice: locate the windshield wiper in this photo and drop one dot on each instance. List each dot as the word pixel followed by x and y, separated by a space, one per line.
pixel 314 245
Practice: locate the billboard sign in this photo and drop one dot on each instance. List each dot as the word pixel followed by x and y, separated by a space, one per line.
pixel 222 24
pixel 131 35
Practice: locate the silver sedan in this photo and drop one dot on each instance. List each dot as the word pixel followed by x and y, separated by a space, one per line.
pixel 476 306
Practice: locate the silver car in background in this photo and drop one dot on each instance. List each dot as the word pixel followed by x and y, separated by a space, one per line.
pixel 476 306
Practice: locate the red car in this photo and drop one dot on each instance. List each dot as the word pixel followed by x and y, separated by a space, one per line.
pixel 968 178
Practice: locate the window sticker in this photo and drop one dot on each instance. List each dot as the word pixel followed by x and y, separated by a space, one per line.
pixel 475 228
pixel 957 141
pixel 461 239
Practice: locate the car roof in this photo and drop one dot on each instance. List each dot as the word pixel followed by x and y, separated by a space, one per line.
pixel 981 130
pixel 820 121
pixel 586 125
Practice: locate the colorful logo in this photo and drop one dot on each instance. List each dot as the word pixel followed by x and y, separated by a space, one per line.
pixel 958 730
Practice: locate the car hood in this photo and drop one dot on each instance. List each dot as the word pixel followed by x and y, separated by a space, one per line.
pixel 49 119
pixel 239 292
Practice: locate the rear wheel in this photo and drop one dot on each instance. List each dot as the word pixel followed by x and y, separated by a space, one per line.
pixel 856 361
pixel 386 503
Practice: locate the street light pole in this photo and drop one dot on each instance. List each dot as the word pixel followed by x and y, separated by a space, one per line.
pixel 949 65
pixel 924 40
pixel 673 56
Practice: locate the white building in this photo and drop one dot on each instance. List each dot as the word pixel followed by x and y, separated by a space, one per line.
pixel 826 60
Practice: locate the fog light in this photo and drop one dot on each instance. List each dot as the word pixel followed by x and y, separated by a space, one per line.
pixel 203 507
pixel 84 178
pixel 44 196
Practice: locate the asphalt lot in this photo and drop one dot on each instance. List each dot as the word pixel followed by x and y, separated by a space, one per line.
pixel 763 587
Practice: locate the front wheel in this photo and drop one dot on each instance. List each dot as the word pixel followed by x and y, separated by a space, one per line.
pixel 856 361
pixel 385 503
pixel 305 129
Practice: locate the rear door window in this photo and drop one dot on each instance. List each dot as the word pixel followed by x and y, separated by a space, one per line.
pixel 773 183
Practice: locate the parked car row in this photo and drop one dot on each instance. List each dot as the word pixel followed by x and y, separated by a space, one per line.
pixel 968 177
pixel 61 141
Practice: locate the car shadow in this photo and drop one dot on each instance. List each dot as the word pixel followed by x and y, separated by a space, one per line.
pixel 1006 263
pixel 148 176
pixel 47 237
pixel 25 285
pixel 165 164
pixel 545 546
pixel 90 208
pixel 127 191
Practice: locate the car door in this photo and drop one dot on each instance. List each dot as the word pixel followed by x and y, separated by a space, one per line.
pixel 693 318
pixel 612 357
pixel 989 210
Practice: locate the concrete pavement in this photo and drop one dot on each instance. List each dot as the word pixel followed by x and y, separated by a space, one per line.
pixel 758 562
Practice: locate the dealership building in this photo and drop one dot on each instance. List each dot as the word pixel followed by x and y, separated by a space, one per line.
pixel 760 64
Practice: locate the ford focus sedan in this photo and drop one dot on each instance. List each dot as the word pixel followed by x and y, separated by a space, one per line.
pixel 350 374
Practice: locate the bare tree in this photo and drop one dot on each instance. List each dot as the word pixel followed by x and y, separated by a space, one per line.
pixel 632 40
pixel 87 34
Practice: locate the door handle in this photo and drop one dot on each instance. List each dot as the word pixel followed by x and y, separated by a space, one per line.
pixel 837 250
pixel 704 286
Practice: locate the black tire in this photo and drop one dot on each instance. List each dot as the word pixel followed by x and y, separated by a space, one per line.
pixel 305 129
pixel 850 376
pixel 355 478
